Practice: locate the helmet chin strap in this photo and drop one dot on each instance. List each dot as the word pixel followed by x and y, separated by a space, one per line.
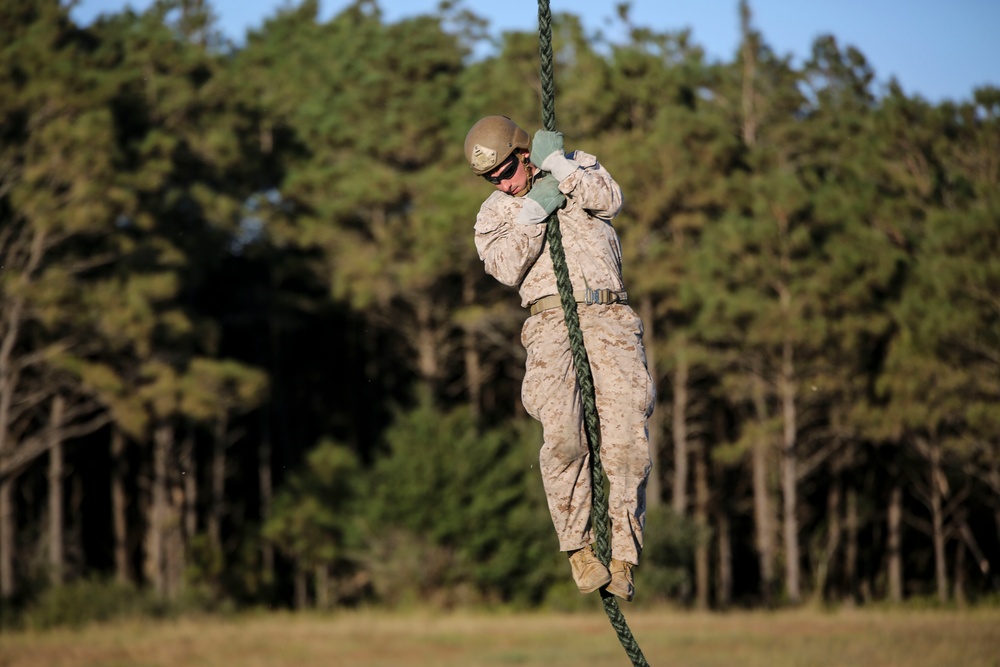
pixel 529 176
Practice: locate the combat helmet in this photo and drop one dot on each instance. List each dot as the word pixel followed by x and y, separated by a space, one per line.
pixel 491 140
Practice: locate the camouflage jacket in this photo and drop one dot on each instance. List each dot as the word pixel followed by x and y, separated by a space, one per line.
pixel 512 252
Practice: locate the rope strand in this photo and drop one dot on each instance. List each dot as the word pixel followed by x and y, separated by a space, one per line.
pixel 599 512
pixel 546 66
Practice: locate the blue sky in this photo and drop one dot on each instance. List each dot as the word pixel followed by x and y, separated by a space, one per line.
pixel 936 49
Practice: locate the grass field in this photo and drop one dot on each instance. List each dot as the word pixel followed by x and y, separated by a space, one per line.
pixel 808 638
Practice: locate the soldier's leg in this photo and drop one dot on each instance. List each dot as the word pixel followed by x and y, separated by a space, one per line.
pixel 551 395
pixel 625 395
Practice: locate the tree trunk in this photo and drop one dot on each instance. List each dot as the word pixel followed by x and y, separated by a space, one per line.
pixel 702 550
pixel 724 586
pixel 10 320
pixel 8 521
pixel 322 586
pixel 679 416
pixel 301 588
pixel 994 481
pixel 973 546
pixel 274 429
pixel 174 556
pixel 158 510
pixel 724 578
pixel 959 585
pixel 791 529
pixel 73 526
pixel 56 552
pixel 789 478
pixel 851 528
pixel 118 505
pixel 937 519
pixel 218 489
pixel 172 527
pixel 190 476
pixel 894 544
pixel 833 530
pixel 763 510
pixel 654 486
pixel 266 495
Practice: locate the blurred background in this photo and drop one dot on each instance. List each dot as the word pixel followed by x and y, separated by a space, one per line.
pixel 249 356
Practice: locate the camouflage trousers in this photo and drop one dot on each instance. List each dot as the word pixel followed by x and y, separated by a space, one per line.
pixel 625 395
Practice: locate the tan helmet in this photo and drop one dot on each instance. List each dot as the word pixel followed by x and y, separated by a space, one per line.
pixel 491 141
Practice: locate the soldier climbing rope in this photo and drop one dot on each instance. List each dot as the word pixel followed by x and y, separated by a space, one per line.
pixel 599 513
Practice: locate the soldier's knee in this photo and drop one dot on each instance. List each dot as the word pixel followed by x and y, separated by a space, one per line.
pixel 560 451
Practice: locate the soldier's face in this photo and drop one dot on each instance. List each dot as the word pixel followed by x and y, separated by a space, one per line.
pixel 511 179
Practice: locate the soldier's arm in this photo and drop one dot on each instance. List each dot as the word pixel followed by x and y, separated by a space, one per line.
pixel 592 187
pixel 508 249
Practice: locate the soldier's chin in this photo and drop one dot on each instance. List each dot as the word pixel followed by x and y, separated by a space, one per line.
pixel 523 191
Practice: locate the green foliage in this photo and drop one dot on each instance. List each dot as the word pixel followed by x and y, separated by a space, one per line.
pixel 452 506
pixel 90 601
pixel 220 581
pixel 668 555
pixel 310 521
pixel 206 567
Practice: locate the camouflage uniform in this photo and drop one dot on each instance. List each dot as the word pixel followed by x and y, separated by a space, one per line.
pixel 513 254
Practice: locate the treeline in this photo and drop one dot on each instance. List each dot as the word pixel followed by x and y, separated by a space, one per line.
pixel 248 353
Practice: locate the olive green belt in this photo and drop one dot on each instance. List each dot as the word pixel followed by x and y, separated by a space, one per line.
pixel 589 297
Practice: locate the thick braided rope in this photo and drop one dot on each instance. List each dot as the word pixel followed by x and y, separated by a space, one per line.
pixel 599 511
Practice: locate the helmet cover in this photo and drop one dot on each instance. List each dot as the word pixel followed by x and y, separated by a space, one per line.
pixel 491 141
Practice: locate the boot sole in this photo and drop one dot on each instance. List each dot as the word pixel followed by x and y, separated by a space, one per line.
pixel 591 589
pixel 623 594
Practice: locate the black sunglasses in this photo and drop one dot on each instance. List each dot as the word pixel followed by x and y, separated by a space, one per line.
pixel 506 173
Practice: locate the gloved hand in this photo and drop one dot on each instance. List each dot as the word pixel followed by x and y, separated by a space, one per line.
pixel 543 198
pixel 545 144
pixel 547 154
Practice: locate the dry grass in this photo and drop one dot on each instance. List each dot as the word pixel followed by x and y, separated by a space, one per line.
pixel 851 638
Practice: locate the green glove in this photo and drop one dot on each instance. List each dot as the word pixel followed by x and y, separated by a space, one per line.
pixel 545 144
pixel 543 198
pixel 548 154
pixel 546 192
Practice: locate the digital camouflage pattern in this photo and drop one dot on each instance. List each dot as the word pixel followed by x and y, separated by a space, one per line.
pixel 512 253
pixel 612 335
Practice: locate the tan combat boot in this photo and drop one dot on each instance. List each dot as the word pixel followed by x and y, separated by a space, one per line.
pixel 621 580
pixel 588 571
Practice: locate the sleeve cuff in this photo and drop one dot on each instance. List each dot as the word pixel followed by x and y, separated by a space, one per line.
pixel 559 165
pixel 532 213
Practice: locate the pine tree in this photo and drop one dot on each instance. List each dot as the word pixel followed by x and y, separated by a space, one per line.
pixel 57 207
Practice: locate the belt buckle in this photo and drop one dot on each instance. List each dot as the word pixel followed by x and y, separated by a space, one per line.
pixel 597 296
